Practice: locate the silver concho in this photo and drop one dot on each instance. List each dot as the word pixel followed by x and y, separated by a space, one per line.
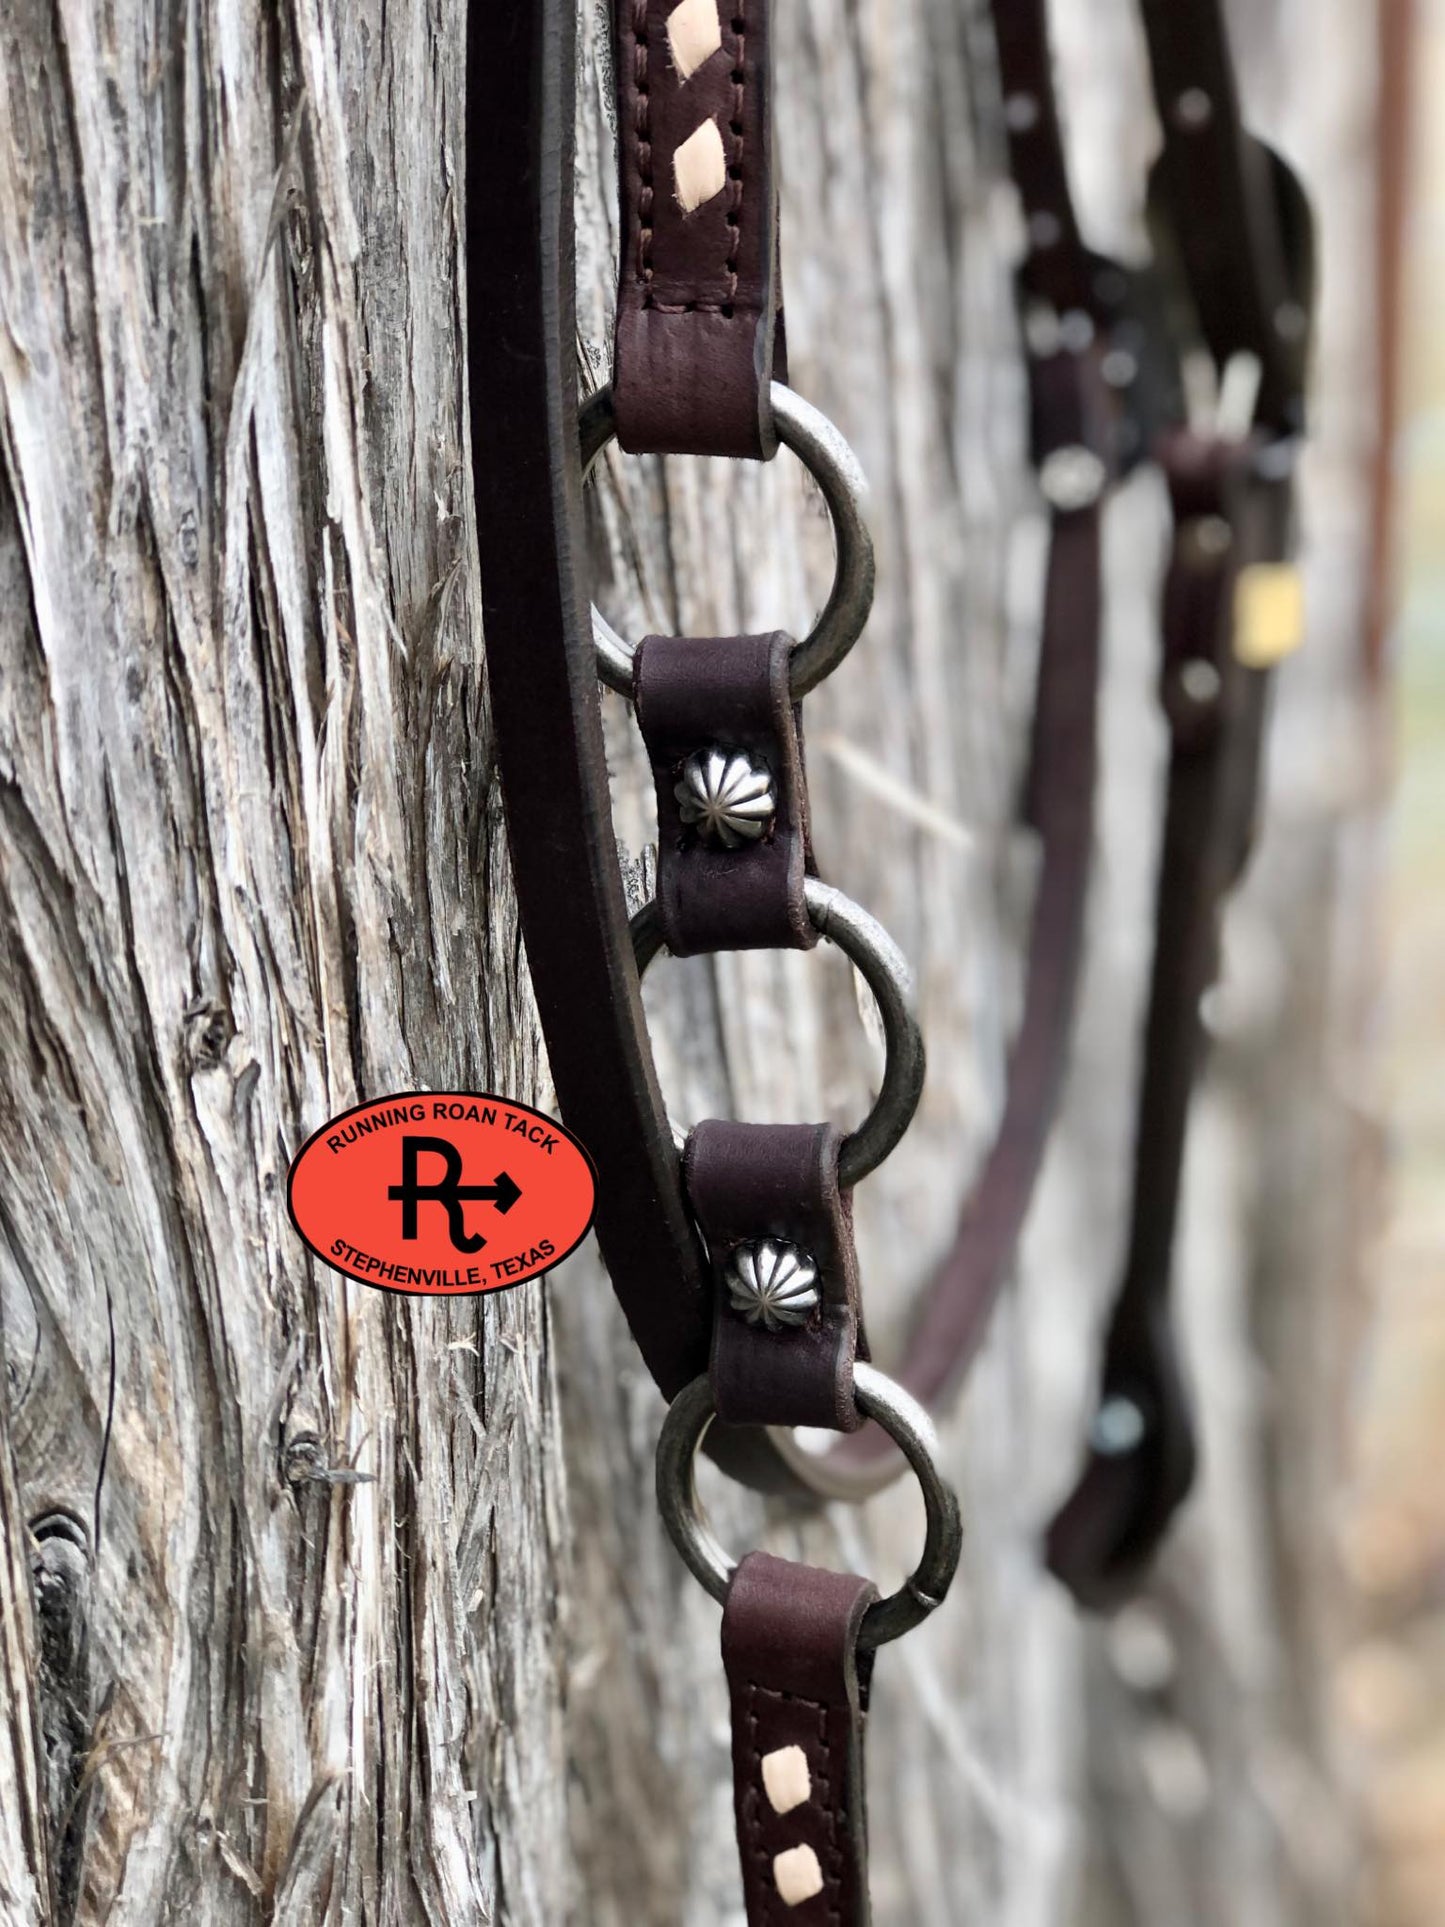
pixel 1072 478
pixel 726 797
pixel 772 1284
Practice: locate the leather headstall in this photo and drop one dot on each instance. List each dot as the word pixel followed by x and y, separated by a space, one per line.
pixel 733 1258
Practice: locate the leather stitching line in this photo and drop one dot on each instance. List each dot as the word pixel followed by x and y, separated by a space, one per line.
pixel 735 187
pixel 752 1823
pixel 833 1877
pixel 642 133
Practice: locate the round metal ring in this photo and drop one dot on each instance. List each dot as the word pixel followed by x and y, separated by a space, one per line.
pixel 834 467
pixel 884 968
pixel 683 1430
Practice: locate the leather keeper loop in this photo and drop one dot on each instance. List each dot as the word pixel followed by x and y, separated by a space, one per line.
pixel 798 1692
pixel 730 693
pixel 750 1182
pixel 698 332
pixel 1228 516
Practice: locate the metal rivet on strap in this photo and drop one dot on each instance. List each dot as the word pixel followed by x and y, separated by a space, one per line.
pixel 1200 681
pixel 726 796
pixel 772 1283
pixel 1076 330
pixel 1193 109
pixel 1210 536
pixel 1041 329
pixel 1118 1427
pixel 1021 113
pixel 1072 478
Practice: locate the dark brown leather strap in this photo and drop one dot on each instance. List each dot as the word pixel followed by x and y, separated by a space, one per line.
pixel 697 300
pixel 779 1182
pixel 521 362
pixel 799 1692
pixel 1074 413
pixel 1232 214
pixel 542 680
pixel 1059 806
pixel 1057 268
pixel 730 693
pixel 1058 799
pixel 1234 221
pixel 1142 1458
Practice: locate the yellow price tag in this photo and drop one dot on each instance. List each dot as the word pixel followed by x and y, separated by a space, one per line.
pixel 1269 613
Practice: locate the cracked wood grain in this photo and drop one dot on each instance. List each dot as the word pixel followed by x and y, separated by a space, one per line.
pixel 250 870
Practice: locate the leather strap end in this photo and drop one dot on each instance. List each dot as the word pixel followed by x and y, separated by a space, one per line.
pixel 1106 1534
pixel 777 1359
pixel 798 1690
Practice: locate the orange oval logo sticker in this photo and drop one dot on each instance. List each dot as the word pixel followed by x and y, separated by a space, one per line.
pixel 442 1191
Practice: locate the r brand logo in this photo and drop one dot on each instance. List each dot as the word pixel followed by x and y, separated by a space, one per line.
pixel 449 1192
pixel 384 1199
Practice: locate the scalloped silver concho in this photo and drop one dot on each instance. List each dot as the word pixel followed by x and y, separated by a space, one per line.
pixel 772 1284
pixel 726 796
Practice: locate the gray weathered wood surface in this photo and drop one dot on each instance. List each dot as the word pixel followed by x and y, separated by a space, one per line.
pixel 374 1621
